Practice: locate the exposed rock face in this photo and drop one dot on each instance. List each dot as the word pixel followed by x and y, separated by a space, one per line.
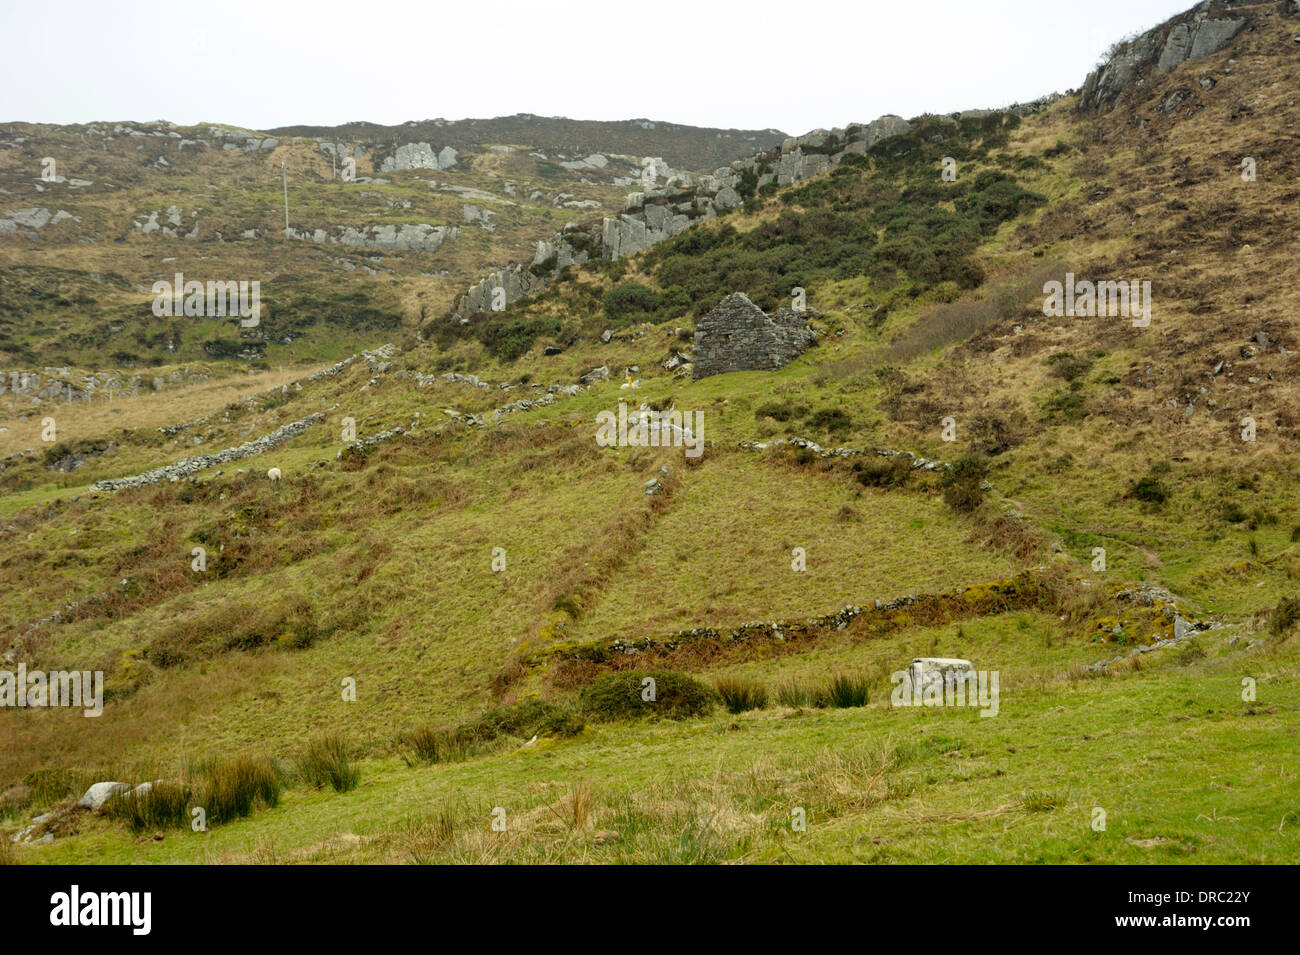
pixel 421 238
pixel 1199 32
pixel 654 215
pixel 61 383
pixel 14 220
pixel 740 336
pixel 419 156
pixel 515 282
pixel 571 246
pixel 473 215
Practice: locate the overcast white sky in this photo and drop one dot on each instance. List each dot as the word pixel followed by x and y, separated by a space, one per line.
pixel 731 63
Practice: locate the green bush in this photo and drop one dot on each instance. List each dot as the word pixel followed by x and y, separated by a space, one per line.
pixel 1284 616
pixel 630 301
pixel 325 760
pixel 507 340
pixel 1233 514
pixel 831 420
pixel 1149 490
pixel 1067 367
pixel 740 695
pixel 1068 405
pixel 619 696
pixel 963 483
pixel 778 411
pixel 883 472
pixel 525 719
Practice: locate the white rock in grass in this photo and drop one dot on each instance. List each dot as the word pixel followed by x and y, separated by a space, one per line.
pixel 100 793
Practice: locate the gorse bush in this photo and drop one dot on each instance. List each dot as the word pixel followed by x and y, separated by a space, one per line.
pixel 325 761
pixel 627 695
pixel 963 483
pixel 831 420
pixel 780 411
pixel 739 695
pixel 1067 367
pixel 287 622
pixel 507 340
pixel 524 719
pixel 883 472
pixel 1149 490
pixel 1284 616
pixel 626 302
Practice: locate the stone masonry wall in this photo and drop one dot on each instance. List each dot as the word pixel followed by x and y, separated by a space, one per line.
pixel 739 336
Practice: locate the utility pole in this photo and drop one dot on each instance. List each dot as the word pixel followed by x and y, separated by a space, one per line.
pixel 284 174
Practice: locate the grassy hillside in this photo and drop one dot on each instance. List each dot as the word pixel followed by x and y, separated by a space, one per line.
pixel 495 589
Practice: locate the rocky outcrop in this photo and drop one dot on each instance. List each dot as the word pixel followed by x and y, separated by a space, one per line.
pixel 1201 31
pixel 419 156
pixel 514 283
pixel 573 245
pixel 31 220
pixel 62 384
pixel 653 215
pixel 100 793
pixel 420 237
pixel 739 336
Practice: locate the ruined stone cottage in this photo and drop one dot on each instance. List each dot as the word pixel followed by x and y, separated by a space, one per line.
pixel 740 336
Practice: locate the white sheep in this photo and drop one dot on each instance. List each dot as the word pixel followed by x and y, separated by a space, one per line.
pixel 274 474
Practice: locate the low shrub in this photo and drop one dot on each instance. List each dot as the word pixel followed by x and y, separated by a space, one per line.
pixel 627 695
pixel 963 483
pixel 883 472
pixel 830 420
pixel 1284 616
pixel 526 719
pixel 1068 367
pixel 629 301
pixel 779 411
pixel 1149 490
